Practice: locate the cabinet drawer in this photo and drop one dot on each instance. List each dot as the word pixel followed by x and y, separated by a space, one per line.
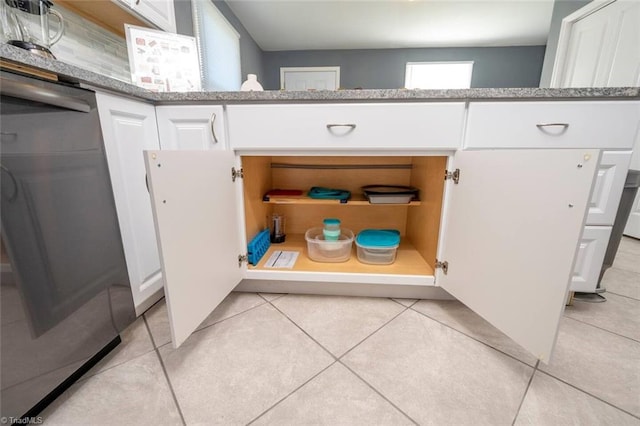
pixel 346 126
pixel 603 124
pixel 589 258
pixel 608 186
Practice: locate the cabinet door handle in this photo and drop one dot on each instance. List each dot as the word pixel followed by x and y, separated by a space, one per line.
pixel 331 126
pixel 137 2
pixel 543 125
pixel 146 182
pixel 212 121
pixel 349 127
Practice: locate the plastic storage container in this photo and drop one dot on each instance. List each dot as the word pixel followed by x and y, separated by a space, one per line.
pixel 321 250
pixel 331 229
pixel 378 246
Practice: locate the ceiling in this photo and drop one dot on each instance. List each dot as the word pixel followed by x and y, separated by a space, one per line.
pixel 375 24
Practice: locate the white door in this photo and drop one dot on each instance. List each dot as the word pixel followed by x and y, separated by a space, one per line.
pixel 128 128
pixel 196 219
pixel 196 127
pixel 309 78
pixel 632 228
pixel 512 228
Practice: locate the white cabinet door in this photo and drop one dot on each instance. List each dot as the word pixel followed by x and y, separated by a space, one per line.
pixel 197 223
pixel 158 12
pixel 198 127
pixel 607 190
pixel 589 259
pixel 128 128
pixel 511 231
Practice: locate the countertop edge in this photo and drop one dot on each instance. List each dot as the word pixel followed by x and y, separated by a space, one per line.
pixel 77 76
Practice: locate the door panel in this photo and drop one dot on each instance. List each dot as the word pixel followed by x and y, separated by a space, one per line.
pixel 510 237
pixel 590 257
pixel 196 218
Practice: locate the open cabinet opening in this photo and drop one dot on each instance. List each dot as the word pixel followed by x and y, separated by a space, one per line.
pixel 418 221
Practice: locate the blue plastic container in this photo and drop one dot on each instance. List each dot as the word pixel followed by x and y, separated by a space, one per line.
pixel 378 246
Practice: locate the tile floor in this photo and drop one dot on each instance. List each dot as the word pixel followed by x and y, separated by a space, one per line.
pixel 270 359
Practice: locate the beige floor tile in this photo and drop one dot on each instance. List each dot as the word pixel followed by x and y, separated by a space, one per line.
pixel 457 315
pixel 438 376
pixel 621 282
pixel 336 322
pixel 406 302
pixel 629 245
pixel 598 362
pixel 551 402
pixel 335 397
pixel 232 372
pixel 627 261
pixel 235 303
pixel 135 342
pixel 271 296
pixel 618 314
pixel 135 392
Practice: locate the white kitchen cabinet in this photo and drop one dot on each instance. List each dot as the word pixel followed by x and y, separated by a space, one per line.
pixel 593 246
pixel 602 124
pixel 605 198
pixel 607 189
pixel 160 13
pixel 344 127
pixel 129 128
pixel 196 127
pixel 544 200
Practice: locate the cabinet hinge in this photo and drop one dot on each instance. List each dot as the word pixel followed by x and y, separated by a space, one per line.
pixel 443 265
pixel 241 259
pixel 236 174
pixel 455 175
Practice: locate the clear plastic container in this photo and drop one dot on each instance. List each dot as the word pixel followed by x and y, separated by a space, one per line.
pixel 378 246
pixel 376 255
pixel 321 250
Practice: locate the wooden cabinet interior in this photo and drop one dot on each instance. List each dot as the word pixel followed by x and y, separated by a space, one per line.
pixel 418 223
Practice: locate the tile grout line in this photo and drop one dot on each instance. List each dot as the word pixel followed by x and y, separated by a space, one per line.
pixel 602 329
pixel 406 308
pixel 588 393
pixel 339 360
pixel 473 338
pixel 526 391
pixel 166 375
pixel 377 392
pixel 335 358
pixel 292 392
pixel 622 295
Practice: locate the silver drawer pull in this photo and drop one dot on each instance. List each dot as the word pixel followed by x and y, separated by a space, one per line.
pixel 348 128
pixel 212 121
pixel 563 125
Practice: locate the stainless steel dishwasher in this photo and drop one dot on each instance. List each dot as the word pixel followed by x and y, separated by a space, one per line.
pixel 64 286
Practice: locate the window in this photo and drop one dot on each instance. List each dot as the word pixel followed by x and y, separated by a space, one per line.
pixel 218 46
pixel 438 75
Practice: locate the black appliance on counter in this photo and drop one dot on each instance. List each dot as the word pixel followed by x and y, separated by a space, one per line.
pixel 64 285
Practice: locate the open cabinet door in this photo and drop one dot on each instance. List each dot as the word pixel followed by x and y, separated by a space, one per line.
pixel 196 218
pixel 512 229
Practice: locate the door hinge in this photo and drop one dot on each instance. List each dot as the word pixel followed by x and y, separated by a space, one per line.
pixel 241 259
pixel 236 174
pixel 455 175
pixel 443 265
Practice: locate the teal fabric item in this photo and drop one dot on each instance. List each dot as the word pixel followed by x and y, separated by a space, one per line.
pixel 378 238
pixel 321 193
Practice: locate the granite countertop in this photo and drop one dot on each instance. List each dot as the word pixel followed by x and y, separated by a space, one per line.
pixel 75 75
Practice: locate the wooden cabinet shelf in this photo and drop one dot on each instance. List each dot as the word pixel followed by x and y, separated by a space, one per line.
pixel 355 200
pixel 408 260
pixel 105 13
